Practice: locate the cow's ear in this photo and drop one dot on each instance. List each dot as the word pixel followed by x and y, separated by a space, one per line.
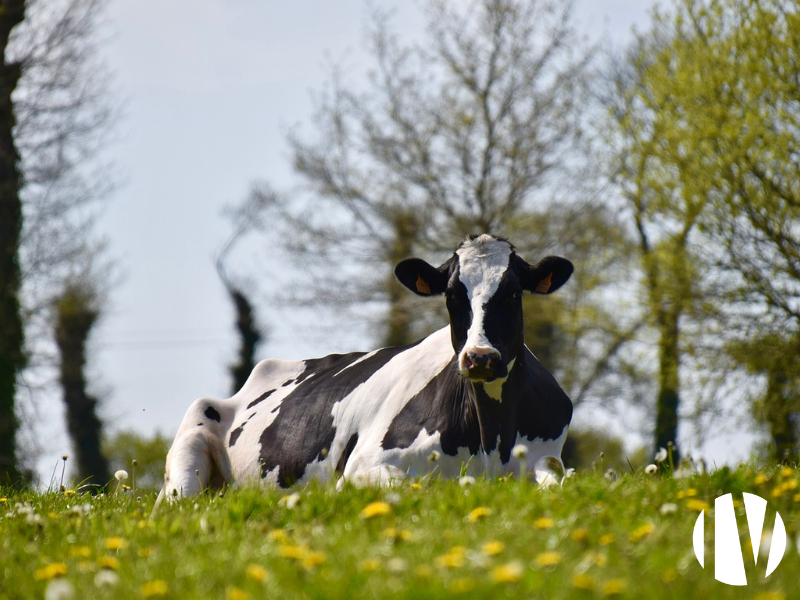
pixel 420 277
pixel 546 276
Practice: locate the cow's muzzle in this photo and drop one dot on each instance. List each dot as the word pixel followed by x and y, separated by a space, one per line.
pixel 481 364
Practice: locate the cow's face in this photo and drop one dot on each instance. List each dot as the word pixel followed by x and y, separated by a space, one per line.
pixel 483 283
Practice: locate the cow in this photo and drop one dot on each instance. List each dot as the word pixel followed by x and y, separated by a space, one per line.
pixel 467 394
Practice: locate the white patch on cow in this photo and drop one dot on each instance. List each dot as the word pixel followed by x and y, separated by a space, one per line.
pixel 494 389
pixel 482 263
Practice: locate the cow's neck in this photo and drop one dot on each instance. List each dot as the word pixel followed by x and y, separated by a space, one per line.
pixel 496 409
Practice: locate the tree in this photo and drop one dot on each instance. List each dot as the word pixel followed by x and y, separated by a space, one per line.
pixel 55 124
pixel 245 218
pixel 77 312
pixel 12 359
pixel 705 141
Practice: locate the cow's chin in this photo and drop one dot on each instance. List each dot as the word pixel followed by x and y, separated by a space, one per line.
pixel 482 375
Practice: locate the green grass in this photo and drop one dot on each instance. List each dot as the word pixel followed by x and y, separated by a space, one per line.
pixel 614 538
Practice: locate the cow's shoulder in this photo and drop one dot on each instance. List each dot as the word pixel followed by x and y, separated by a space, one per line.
pixel 545 408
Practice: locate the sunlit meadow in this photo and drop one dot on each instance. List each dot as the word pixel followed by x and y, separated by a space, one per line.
pixel 597 535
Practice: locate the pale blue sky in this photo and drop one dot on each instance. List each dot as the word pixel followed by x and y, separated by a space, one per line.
pixel 211 87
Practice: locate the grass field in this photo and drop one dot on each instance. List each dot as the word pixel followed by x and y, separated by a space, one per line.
pixel 591 538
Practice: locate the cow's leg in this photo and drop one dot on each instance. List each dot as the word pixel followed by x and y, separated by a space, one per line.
pixel 197 459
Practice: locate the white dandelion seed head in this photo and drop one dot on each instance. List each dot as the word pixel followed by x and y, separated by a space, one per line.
pixel 121 475
pixel 611 474
pixel 106 578
pixel 434 456
pixel 520 451
pixel 59 589
pixel 650 469
pixel 466 481
pixel 661 455
pixel 291 501
pixel 668 508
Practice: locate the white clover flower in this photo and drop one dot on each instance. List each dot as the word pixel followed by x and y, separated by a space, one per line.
pixel 434 456
pixel 121 475
pixel 661 455
pixel 520 451
pixel 466 481
pixel 106 578
pixel 668 508
pixel 650 469
pixel 291 501
pixel 611 474
pixel 59 589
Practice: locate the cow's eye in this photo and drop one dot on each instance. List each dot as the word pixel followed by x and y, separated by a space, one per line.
pixel 513 298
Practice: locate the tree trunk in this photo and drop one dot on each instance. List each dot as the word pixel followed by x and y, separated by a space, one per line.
pixel 12 356
pixel 668 381
pixel 399 319
pixel 249 338
pixel 76 317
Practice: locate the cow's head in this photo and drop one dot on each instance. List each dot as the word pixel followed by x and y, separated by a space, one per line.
pixel 483 282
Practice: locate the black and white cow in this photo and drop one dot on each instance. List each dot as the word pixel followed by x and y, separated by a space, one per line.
pixel 470 392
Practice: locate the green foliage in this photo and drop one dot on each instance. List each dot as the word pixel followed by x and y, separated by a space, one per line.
pixel 150 453
pixel 631 538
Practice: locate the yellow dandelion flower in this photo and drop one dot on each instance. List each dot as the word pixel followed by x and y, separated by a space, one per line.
pixel 157 587
pixel 234 593
pixel 416 486
pixel 369 565
pixel 642 531
pixel 392 534
pixel 478 514
pixel 257 573
pixel 606 539
pixel 115 543
pixel 293 552
pixel 278 535
pixel 543 523
pixel 3 500
pixel 580 535
pixel 760 478
pixel 796 498
pixel 786 471
pixel 777 491
pixel 108 562
pixel 670 575
pixel 462 585
pixel 771 596
pixel 548 559
pixel 51 571
pixel 146 551
pixel 583 581
pixel 69 492
pixel 613 587
pixel 493 548
pixel 507 573
pixel 790 484
pixel 680 494
pixel 80 552
pixel 696 504
pixel 691 492
pixel 314 559
pixel 600 559
pixel 453 559
pixel 423 572
pixel 375 509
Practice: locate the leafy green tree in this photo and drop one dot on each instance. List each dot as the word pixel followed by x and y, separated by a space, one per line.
pixel 705 137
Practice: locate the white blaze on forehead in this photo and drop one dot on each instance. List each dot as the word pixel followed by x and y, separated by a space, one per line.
pixel 482 263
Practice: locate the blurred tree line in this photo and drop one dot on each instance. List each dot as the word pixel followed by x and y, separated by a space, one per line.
pixel 667 171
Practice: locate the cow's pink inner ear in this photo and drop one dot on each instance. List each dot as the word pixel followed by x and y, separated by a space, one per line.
pixel 544 285
pixel 422 286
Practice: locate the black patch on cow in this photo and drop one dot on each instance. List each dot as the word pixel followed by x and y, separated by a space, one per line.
pixel 533 405
pixel 199 424
pixel 238 431
pixel 348 450
pixel 261 398
pixel 211 413
pixel 287 383
pixel 304 426
pixel 447 405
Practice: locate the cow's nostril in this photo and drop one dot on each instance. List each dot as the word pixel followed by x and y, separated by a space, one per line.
pixel 481 359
